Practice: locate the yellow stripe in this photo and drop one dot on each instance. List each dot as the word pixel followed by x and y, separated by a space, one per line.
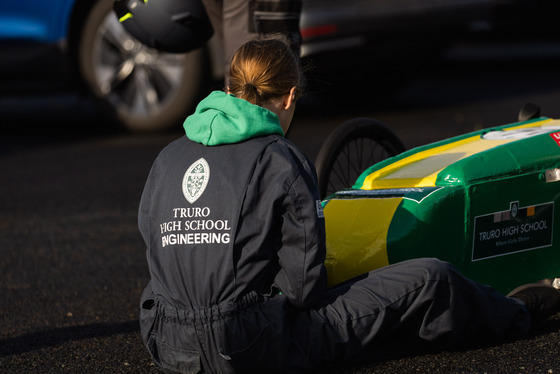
pixel 357 236
pixel 125 17
pixel 543 123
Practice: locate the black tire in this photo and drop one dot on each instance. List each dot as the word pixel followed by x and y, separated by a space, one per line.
pixel 350 149
pixel 144 89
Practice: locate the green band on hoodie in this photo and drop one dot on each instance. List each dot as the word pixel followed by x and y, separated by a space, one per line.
pixel 224 119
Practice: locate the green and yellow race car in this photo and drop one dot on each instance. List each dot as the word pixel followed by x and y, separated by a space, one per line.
pixel 484 201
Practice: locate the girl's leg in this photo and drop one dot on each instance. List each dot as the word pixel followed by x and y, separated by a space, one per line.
pixel 424 297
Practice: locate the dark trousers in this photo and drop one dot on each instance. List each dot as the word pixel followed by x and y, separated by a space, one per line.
pixel 425 298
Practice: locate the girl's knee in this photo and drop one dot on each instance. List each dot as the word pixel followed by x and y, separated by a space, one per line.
pixel 437 269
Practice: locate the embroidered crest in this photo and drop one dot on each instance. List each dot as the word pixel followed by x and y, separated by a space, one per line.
pixel 195 180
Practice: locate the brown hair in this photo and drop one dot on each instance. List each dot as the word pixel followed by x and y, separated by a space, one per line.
pixel 264 69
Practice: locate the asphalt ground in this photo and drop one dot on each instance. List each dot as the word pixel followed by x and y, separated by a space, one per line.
pixel 72 263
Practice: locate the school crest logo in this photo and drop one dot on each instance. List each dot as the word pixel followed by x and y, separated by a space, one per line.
pixel 195 180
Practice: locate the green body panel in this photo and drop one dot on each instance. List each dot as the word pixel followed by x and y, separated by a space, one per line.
pixel 536 153
pixel 493 213
pixel 508 247
pixel 433 227
pixel 457 224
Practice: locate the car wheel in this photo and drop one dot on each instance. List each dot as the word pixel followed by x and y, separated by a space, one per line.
pixel 350 149
pixel 145 89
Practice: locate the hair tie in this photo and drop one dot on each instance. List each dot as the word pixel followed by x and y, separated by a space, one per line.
pixel 250 86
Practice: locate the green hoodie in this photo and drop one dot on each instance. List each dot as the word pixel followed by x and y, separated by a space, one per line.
pixel 224 119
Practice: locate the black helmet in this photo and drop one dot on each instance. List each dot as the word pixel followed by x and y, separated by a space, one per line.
pixel 176 26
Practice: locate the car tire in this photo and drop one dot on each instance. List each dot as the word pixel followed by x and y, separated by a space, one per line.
pixel 350 149
pixel 144 89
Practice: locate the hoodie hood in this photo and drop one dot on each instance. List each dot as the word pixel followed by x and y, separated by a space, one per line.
pixel 224 119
